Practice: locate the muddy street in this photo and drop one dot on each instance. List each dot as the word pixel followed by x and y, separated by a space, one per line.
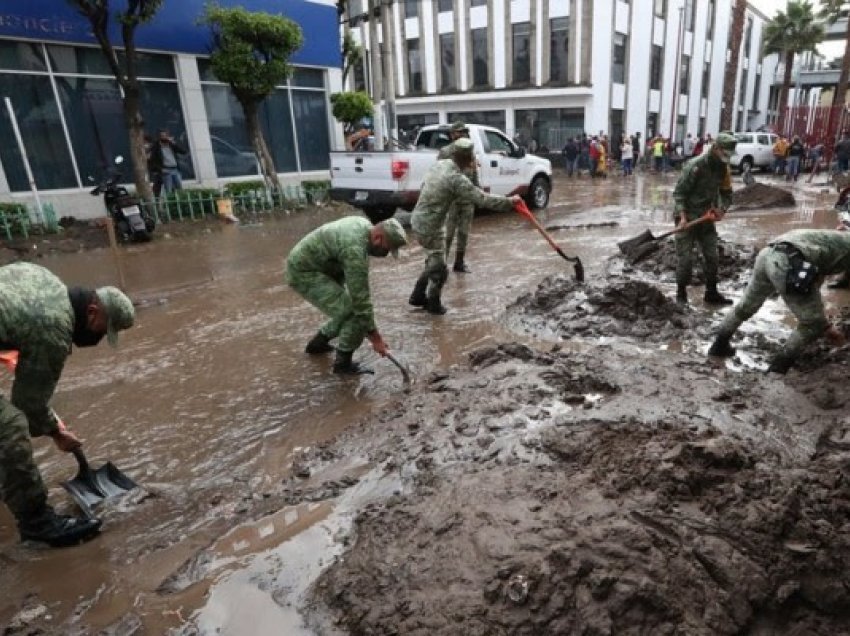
pixel 566 457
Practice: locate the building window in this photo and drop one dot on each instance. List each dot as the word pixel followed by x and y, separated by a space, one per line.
pixel 742 89
pixel 414 66
pixel 618 66
pixel 445 5
pixel 655 68
pixel 559 45
pixel 547 129
pixel 652 126
pixel 690 15
pixel 706 75
pixel 616 128
pixel 660 8
pixel 478 3
pixel 447 62
pixel 740 125
pixel 480 70
pixel 756 90
pixel 680 128
pixel 359 71
pixel 684 74
pixel 748 38
pixel 710 32
pixel 411 8
pixel 522 53
pixel 494 118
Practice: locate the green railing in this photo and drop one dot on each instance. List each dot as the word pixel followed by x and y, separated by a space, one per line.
pixel 16 219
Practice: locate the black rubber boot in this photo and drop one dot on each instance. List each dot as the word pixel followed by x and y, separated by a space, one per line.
pixel 682 294
pixel 714 297
pixel 418 298
pixel 721 348
pixel 780 364
pixel 841 283
pixel 344 365
pixel 459 266
pixel 320 343
pixel 57 530
pixel 435 306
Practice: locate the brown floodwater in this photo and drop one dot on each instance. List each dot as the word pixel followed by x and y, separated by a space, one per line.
pixel 208 401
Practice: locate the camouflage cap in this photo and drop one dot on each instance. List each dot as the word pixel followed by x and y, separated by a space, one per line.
pixel 458 126
pixel 119 311
pixel 463 146
pixel 726 141
pixel 396 236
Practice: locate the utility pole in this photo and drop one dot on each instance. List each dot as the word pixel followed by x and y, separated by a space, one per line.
pixel 377 83
pixel 388 55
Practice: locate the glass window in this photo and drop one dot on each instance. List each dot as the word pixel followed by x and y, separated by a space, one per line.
pixel 494 142
pixel 660 8
pixel 411 8
pixel 41 129
pixel 706 74
pixel 409 125
pixel 89 61
pixel 311 115
pixel 684 74
pixel 480 67
pixel 618 67
pixel 655 68
pixel 205 71
pixel 651 125
pixel 276 121
pixel 748 38
pixel 764 140
pixel 742 89
pixel 414 66
pixel 690 14
pixel 436 138
pixel 447 62
pixel 680 127
pixel 359 73
pixel 21 56
pixel 477 3
pixel 232 150
pixel 549 128
pixel 559 45
pixel 494 118
pixel 756 89
pixel 616 128
pixel 445 5
pixel 744 139
pixel 308 77
pixel 710 31
pixel 522 53
pixel 160 105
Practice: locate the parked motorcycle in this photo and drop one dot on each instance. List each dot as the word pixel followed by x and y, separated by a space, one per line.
pixel 131 224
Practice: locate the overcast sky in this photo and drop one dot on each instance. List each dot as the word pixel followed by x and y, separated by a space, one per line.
pixel 829 49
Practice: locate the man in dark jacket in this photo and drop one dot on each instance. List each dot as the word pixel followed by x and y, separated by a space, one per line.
pixel 570 152
pixel 163 162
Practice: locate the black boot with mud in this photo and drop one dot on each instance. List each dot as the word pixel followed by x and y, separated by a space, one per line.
pixel 780 364
pixel 460 266
pixel 682 294
pixel 714 297
pixel 418 297
pixel 57 530
pixel 435 306
pixel 344 365
pixel 319 344
pixel 721 348
pixel 841 283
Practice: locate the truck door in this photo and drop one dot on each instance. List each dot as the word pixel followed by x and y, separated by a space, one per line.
pixel 501 167
pixel 765 150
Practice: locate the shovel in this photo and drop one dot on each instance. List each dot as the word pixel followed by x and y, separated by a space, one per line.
pixel 89 487
pixel 640 246
pixel 406 378
pixel 578 269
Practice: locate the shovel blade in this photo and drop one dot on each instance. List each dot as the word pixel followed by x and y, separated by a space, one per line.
pixel 639 252
pixel 629 245
pixel 90 488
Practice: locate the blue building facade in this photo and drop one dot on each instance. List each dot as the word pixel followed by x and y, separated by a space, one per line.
pixel 68 104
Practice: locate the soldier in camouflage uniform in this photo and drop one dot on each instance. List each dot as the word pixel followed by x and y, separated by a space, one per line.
pixel 41 318
pixel 705 184
pixel 330 268
pixel 829 252
pixel 445 183
pixel 459 219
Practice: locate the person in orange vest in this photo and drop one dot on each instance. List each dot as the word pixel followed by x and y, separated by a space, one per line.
pixel 780 152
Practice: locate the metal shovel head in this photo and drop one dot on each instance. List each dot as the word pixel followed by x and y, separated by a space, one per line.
pixel 629 245
pixel 91 487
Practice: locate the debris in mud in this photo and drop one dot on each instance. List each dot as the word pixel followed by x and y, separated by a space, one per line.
pixel 761 195
pixel 658 515
pixel 735 263
pixel 631 308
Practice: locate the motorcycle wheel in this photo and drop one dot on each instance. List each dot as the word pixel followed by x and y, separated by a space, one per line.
pixel 122 229
pixel 142 236
pixel 150 223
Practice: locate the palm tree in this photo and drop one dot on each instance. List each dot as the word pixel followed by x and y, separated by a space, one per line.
pixel 787 34
pixel 736 35
pixel 832 10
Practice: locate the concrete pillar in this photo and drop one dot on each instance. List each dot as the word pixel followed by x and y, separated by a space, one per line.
pixel 195 112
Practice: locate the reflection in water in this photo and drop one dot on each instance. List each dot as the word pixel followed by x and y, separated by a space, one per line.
pixel 205 400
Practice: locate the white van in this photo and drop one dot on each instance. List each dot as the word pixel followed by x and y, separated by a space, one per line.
pixel 754 149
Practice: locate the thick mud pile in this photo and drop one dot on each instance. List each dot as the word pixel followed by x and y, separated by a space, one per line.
pixel 631 308
pixel 554 493
pixel 760 195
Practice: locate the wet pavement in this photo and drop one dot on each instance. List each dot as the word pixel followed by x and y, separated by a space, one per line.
pixel 210 402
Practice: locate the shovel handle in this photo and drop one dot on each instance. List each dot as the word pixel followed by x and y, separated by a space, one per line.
pixel 405 372
pixel 80 456
pixel 522 209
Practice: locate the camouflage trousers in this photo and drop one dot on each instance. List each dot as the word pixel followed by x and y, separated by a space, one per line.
pixel 704 235
pixel 435 270
pixel 331 298
pixel 459 220
pixel 21 487
pixel 769 276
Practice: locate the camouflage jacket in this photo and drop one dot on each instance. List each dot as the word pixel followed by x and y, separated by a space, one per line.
pixel 340 250
pixel 447 152
pixel 828 250
pixel 37 320
pixel 705 183
pixel 445 184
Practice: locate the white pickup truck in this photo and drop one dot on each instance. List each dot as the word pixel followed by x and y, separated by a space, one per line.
pixel 379 182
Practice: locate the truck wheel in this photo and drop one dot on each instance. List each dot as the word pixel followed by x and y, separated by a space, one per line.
pixel 538 193
pixel 378 214
pixel 746 161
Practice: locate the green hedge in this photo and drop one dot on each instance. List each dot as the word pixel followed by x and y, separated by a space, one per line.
pixel 236 188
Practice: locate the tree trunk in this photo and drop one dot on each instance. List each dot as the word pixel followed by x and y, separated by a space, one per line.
pixel 252 121
pixel 782 104
pixel 736 35
pixel 136 130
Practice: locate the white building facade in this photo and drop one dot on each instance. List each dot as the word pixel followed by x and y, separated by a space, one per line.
pixel 543 70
